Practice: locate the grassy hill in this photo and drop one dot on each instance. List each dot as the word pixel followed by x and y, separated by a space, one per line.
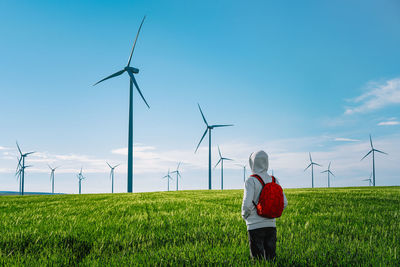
pixel 337 226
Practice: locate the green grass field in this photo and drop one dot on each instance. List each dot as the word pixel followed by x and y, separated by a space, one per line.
pixel 340 226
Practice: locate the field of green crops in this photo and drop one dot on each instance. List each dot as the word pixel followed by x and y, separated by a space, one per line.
pixel 337 226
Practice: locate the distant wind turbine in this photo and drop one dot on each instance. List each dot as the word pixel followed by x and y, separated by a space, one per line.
pixel 244 171
pixel 221 159
pixel 132 81
pixel 178 174
pixel 52 177
pixel 21 168
pixel 168 178
pixel 112 175
pixel 373 150
pixel 208 129
pixel 312 169
pixel 329 172
pixel 369 180
pixel 80 178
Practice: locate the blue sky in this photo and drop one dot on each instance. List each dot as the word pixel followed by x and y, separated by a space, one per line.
pixel 315 76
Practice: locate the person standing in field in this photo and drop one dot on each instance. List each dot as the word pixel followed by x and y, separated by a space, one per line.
pixel 261 230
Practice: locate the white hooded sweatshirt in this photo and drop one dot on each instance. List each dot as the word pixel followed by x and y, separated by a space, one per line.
pixel 258 162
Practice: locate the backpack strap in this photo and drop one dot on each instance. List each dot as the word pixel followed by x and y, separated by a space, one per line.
pixel 262 183
pixel 273 179
pixel 258 178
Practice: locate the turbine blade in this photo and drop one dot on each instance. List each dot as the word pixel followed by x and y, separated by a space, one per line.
pixel 227 159
pixel 179 164
pixel 50 167
pixel 367 154
pixel 26 154
pixel 137 87
pixel 174 172
pixel 204 118
pixel 324 171
pixel 134 44
pixel 108 165
pixel 310 156
pixel 19 149
pixel 221 125
pixel 219 151
pixel 308 167
pixel 370 140
pixel 111 76
pixel 316 164
pixel 116 166
pixel 329 166
pixel 201 140
pixel 380 151
pixel 217 163
pixel 332 173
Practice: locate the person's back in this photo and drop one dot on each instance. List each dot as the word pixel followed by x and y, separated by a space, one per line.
pixel 261 230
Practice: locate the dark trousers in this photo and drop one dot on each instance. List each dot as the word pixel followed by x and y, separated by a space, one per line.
pixel 263 243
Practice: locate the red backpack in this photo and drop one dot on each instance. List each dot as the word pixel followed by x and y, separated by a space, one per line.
pixel 270 202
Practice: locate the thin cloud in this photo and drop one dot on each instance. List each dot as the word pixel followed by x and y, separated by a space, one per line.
pixel 378 96
pixel 387 123
pixel 340 139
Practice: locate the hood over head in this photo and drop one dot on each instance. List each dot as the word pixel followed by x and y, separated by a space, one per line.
pixel 258 162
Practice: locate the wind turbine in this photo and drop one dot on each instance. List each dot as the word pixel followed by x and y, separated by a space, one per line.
pixel 221 159
pixel 208 129
pixel 369 180
pixel 168 178
pixel 80 178
pixel 329 172
pixel 312 169
pixel 21 168
pixel 52 177
pixel 373 150
pixel 132 81
pixel 178 174
pixel 244 171
pixel 112 175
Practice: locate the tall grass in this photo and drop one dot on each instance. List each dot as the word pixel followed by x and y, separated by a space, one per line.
pixel 337 226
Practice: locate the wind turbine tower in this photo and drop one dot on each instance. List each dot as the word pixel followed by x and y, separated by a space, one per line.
pixel 132 81
pixel 80 178
pixel 209 129
pixel 178 174
pixel 329 172
pixel 52 177
pixel 112 175
pixel 21 168
pixel 373 150
pixel 168 178
pixel 221 159
pixel 244 171
pixel 369 180
pixel 312 163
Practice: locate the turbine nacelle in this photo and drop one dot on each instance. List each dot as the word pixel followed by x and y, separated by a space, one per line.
pixel 131 69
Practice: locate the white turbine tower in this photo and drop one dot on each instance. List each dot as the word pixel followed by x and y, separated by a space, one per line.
pixel 312 163
pixel 244 171
pixel 329 172
pixel 373 150
pixel 178 174
pixel 52 177
pixel 112 175
pixel 369 180
pixel 168 176
pixel 221 159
